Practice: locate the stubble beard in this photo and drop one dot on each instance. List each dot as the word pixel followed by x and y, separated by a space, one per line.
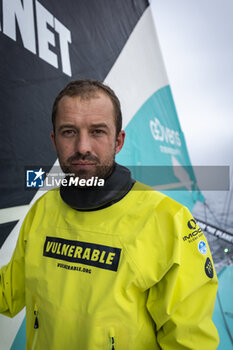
pixel 101 171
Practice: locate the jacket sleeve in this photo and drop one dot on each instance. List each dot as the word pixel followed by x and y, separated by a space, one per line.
pixel 12 279
pixel 182 302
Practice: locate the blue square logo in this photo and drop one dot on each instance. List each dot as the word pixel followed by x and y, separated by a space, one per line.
pixel 35 178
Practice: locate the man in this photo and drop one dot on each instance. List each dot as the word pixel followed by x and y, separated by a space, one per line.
pixel 107 268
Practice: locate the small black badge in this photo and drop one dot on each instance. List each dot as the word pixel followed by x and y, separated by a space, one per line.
pixel 209 270
pixel 192 224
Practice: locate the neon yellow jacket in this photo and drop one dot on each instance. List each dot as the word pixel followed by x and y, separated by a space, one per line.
pixel 137 275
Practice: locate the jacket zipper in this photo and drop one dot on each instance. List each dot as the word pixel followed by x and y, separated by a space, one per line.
pixel 36 327
pixel 112 339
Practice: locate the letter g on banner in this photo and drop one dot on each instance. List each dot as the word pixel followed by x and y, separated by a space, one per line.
pixel 157 130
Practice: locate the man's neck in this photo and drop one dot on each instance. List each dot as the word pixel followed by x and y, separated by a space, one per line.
pixel 116 186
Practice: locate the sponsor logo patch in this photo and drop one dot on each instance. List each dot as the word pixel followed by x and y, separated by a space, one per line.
pixel 97 255
pixel 195 234
pixel 192 224
pixel 202 247
pixel 209 270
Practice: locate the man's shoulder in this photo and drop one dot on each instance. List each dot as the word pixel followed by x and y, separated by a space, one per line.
pixel 50 196
pixel 156 198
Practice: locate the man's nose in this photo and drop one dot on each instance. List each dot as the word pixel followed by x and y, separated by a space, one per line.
pixel 83 143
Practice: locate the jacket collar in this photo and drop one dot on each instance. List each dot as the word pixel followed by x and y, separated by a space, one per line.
pixel 116 186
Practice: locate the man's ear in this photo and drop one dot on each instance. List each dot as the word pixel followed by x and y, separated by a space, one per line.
pixel 120 141
pixel 52 134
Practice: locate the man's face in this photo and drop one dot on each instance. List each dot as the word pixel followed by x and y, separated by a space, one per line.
pixel 85 135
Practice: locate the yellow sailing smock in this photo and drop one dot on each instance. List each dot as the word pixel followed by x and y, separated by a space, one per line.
pixel 137 275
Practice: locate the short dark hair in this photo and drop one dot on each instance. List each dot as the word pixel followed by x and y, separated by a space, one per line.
pixel 87 88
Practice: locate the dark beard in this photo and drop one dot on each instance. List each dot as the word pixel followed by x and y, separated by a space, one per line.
pixel 101 171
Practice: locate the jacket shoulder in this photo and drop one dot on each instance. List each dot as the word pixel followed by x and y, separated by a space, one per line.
pixel 51 195
pixel 160 200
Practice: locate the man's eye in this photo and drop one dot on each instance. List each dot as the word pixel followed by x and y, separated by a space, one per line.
pixel 98 131
pixel 67 132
